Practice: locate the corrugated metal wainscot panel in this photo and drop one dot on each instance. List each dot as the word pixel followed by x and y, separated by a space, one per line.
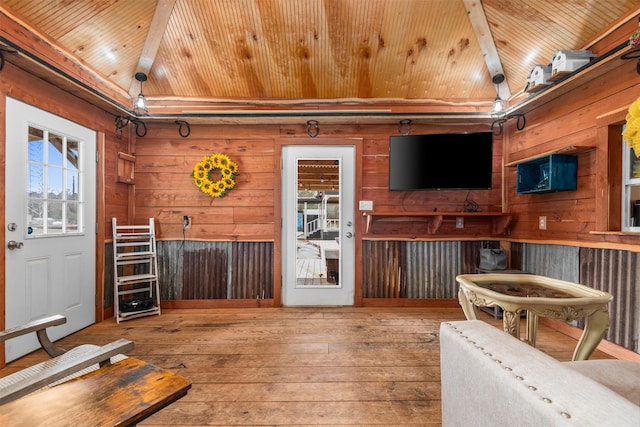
pixel 556 261
pixel 252 267
pixel 393 269
pixel 210 270
pixel 432 268
pixel 205 273
pixel 616 272
pixel 382 269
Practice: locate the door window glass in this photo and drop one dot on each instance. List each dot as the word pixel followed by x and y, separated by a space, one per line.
pixel 54 202
pixel 318 223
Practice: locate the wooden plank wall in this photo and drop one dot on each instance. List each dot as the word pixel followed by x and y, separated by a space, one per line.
pixel 164 188
pixel 582 117
pixel 376 176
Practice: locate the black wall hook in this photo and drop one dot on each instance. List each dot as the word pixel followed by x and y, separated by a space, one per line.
pixel 184 129
pixel 316 129
pixel 121 122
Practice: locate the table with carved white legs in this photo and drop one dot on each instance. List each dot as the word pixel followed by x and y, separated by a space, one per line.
pixel 539 296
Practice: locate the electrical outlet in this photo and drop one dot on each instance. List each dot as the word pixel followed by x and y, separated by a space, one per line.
pixel 186 222
pixel 459 222
pixel 542 223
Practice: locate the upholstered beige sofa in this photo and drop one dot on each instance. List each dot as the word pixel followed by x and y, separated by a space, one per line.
pixel 490 378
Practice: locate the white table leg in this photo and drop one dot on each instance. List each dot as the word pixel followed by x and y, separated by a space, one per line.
pixel 470 310
pixel 532 328
pixel 511 323
pixel 595 328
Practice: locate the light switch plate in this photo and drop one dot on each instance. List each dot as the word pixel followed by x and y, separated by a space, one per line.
pixel 366 205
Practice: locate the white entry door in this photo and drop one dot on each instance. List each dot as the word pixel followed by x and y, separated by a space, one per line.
pixel 318 189
pixel 50 212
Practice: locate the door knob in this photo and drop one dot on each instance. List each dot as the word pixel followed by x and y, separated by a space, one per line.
pixel 12 244
pixel 349 234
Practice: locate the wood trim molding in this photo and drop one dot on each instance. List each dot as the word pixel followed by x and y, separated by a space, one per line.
pixel 3 220
pixel 100 223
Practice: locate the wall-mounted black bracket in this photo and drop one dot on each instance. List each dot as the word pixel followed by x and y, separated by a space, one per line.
pixel 404 124
pixel 313 128
pixel 121 122
pixel 633 54
pixel 184 129
pixel 497 125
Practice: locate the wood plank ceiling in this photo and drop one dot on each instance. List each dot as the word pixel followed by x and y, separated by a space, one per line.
pixel 291 55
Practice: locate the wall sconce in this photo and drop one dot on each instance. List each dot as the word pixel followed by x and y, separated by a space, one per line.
pixel 315 131
pixel 406 123
pixel 140 104
pixel 497 108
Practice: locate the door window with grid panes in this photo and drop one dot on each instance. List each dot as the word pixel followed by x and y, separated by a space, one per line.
pixel 54 184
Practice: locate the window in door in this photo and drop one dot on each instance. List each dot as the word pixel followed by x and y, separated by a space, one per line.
pixel 54 202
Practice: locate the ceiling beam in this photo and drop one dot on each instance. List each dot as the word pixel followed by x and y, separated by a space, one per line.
pixel 481 27
pixel 157 29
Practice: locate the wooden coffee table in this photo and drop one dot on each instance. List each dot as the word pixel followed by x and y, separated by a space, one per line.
pixel 539 296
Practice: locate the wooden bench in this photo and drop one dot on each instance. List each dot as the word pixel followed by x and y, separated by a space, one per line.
pixel 119 394
pixel 63 365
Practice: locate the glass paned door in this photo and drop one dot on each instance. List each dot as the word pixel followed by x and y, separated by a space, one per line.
pixel 318 225
pixel 50 210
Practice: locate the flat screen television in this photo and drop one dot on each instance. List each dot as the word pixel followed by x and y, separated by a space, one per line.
pixel 446 161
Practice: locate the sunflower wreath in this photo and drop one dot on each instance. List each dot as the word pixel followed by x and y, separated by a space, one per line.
pixel 204 175
pixel 631 133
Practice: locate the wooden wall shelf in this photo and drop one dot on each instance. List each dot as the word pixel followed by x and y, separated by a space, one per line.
pixel 126 168
pixel 572 149
pixel 500 221
pixel 600 66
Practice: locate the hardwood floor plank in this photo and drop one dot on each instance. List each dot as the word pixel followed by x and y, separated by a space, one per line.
pixel 379 413
pixel 314 374
pixel 297 366
pixel 373 358
pixel 318 392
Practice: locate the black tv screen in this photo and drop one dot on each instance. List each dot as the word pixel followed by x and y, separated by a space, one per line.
pixel 448 161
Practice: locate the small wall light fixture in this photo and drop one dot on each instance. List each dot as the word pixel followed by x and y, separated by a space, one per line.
pixel 497 108
pixel 498 111
pixel 140 104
